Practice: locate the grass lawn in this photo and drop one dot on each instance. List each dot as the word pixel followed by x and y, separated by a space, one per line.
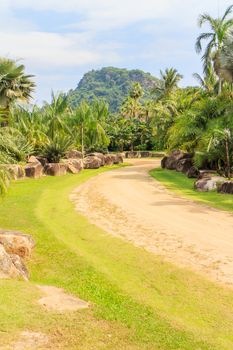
pixel 180 184
pixel 138 300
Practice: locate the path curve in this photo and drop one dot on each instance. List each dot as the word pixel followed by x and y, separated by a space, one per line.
pixel 128 203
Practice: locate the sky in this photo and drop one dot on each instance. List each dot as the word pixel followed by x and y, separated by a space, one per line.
pixel 60 40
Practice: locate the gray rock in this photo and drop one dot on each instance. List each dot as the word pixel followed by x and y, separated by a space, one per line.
pixel 183 165
pixel 208 183
pixel 108 159
pixel 192 172
pixel 226 187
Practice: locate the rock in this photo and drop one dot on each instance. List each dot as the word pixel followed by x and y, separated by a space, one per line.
pixel 206 174
pixel 163 162
pixel 33 159
pixel 133 154
pixel 98 155
pixel 193 172
pixel 92 162
pixel 43 161
pixel 16 171
pixel 74 166
pixel 34 170
pixel 56 169
pixel 20 266
pixel 7 267
pixel 145 154
pixel 119 158
pixel 184 165
pixel 173 159
pixel 108 159
pixel 16 242
pixel 226 187
pixel 208 183
pixel 74 154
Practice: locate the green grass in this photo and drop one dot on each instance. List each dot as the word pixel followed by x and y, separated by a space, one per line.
pixel 184 186
pixel 138 300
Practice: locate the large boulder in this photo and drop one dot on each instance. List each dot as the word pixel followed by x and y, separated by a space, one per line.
pixel 92 162
pixel 56 169
pixel 174 158
pixel 74 166
pixel 16 242
pixel 74 154
pixel 34 170
pixel 108 159
pixel 98 155
pixel 7 267
pixel 207 184
pixel 206 174
pixel 183 165
pixel 226 187
pixel 192 172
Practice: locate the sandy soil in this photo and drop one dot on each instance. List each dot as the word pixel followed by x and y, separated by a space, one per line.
pixel 130 204
pixel 55 299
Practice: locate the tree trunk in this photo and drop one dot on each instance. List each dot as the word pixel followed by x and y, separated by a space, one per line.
pixel 219 86
pixel 82 140
pixel 228 160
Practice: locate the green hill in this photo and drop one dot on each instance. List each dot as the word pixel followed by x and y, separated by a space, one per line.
pixel 110 83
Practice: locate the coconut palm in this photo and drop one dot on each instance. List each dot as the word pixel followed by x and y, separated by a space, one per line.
pixel 14 84
pixel 220 28
pixel 209 81
pixel 167 84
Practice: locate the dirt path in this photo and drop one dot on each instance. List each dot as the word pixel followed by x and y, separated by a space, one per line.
pixel 130 204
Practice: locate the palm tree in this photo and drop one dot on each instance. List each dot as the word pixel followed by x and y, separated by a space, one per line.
pixel 136 91
pixel 219 30
pixel 209 81
pixel 226 58
pixel 55 113
pixel 168 83
pixel 14 84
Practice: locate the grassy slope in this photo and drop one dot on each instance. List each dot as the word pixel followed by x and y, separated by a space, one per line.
pixel 179 183
pixel 139 301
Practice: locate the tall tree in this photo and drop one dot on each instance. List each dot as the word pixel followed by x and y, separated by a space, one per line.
pixel 219 30
pixel 167 84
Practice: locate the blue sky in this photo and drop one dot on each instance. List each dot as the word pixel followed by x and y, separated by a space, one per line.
pixel 60 40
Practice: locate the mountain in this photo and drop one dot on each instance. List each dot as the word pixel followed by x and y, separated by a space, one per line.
pixel 111 84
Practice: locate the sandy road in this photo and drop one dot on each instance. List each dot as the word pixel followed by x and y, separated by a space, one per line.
pixel 130 204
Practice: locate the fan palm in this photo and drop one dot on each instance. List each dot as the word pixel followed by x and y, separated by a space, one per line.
pixel 219 30
pixel 14 84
